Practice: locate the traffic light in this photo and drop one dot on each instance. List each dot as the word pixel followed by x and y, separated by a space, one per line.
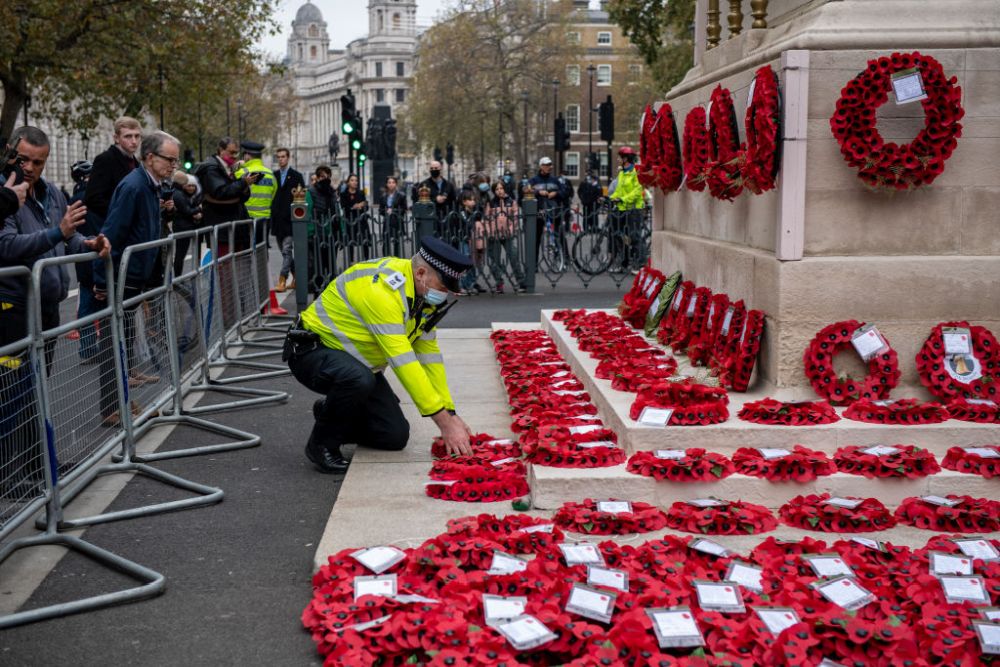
pixel 188 159
pixel 561 135
pixel 348 115
pixel 358 144
pixel 437 153
pixel 593 163
pixel 606 120
pixel 450 154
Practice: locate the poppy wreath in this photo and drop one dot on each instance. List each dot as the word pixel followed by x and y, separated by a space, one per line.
pixel 723 174
pixel 685 323
pixel 885 165
pixel 675 312
pixel 902 412
pixel 631 374
pixel 778 413
pixel 735 374
pixel 635 304
pixel 933 370
pixel 697 149
pixel 909 461
pixel 693 404
pixel 961 459
pixel 970 515
pixel 484 487
pixel 568 431
pixel 480 448
pixel 734 518
pixel 762 123
pixel 883 369
pixel 812 512
pixel 979 410
pixel 561 454
pixel 585 518
pixel 649 153
pixel 697 465
pixel 727 338
pixel 668 170
pixel 800 465
pixel 462 466
pixel 700 346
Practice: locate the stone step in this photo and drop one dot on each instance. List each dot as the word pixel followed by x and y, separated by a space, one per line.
pixel 725 438
pixel 551 487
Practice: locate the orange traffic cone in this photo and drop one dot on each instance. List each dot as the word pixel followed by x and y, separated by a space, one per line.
pixel 273 308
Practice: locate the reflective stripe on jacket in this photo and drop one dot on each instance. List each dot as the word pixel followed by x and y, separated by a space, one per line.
pixel 261 192
pixel 365 312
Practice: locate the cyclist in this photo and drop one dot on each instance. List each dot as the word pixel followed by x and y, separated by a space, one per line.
pixel 628 200
pixel 551 195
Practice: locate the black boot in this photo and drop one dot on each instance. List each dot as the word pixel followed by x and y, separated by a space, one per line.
pixel 326 461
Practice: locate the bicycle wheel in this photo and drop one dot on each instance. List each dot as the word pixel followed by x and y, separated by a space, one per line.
pixel 592 252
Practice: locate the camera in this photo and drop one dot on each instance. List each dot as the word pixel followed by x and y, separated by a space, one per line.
pixel 166 190
pixel 12 165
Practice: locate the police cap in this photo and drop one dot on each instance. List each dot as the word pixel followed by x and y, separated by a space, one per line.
pixel 448 262
pixel 252 147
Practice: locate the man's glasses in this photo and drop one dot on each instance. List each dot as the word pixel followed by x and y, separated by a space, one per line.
pixel 171 160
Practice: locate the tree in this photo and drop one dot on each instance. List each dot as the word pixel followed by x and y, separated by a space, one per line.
pixel 473 66
pixel 85 60
pixel 662 32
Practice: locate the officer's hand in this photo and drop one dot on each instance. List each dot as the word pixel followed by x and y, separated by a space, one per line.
pixel 454 432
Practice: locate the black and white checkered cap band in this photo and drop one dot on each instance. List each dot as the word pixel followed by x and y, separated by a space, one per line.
pixel 439 265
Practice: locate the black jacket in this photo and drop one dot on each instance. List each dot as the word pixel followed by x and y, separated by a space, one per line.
pixel 8 203
pixel 324 199
pixel 590 192
pixel 281 205
pixel 110 167
pixel 185 206
pixel 347 201
pixel 398 203
pixel 223 197
pixel 445 188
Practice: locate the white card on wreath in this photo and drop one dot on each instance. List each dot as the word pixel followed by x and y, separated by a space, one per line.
pixel 977 547
pixel 368 625
pixel 826 662
pixel 603 576
pixel 771 453
pixel 746 575
pixel 614 506
pixel 727 321
pixel 525 632
pixel 655 306
pixel 670 454
pixel 721 596
pixel 960 589
pixel 585 418
pixel 908 86
pixel 942 563
pixel 675 627
pixel 776 619
pixel 595 443
pixel 707 502
pixel 692 305
pixel 591 603
pixel 378 559
pixel 498 607
pixel 880 450
pixel 983 452
pixel 709 547
pixel 981 401
pixel 500 462
pixel 383 585
pixel 504 563
pixel 941 501
pixel 569 392
pixel 868 542
pixel 499 442
pixel 656 417
pixel 991 614
pixel 829 565
pixel 560 374
pixel 989 636
pixel 844 592
pixel 957 340
pixel 539 528
pixel 586 428
pixel 581 553
pixel 868 342
pixel 750 91
pixel 847 503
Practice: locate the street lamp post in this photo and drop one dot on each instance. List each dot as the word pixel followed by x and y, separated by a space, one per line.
pixel 524 98
pixel 500 136
pixel 555 114
pixel 590 114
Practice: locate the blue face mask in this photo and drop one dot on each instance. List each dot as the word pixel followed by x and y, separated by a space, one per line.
pixel 628 167
pixel 483 187
pixel 435 297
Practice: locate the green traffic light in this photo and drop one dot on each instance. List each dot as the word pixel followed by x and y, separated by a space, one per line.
pixel 356 144
pixel 362 157
pixel 348 128
pixel 187 166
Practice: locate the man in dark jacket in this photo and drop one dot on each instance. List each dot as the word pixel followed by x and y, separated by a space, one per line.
pixel 590 195
pixel 281 213
pixel 323 194
pixel 134 218
pixel 223 195
pixel 551 196
pixel 442 191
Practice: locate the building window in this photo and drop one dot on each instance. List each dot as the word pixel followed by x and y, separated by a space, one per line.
pixel 400 69
pixel 572 117
pixel 572 164
pixel 604 39
pixel 573 37
pixel 604 75
pixel 395 21
pixel 400 95
pixel 634 73
pixel 312 53
pixel 313 30
pixel 378 70
pixel 572 75
pixel 300 52
pixel 379 95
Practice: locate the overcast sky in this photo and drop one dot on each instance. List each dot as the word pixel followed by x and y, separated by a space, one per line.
pixel 345 20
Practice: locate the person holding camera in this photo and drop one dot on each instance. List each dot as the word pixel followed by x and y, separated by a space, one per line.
pixel 224 195
pixel 134 217
pixel 15 188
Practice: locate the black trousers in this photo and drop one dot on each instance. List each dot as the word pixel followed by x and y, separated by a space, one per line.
pixel 360 405
pixel 109 380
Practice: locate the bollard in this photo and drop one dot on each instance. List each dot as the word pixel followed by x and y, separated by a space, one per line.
pixel 300 241
pixel 424 218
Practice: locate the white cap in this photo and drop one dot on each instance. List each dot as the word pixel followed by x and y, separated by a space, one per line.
pixel 544 160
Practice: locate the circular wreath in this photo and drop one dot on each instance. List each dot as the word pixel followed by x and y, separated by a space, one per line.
pixel 697 465
pixel 960 459
pixel 799 465
pixel 944 380
pixel 813 512
pixel 463 466
pixel 697 149
pixel 762 125
pixel 979 410
pixel 669 171
pixel 675 312
pixel 559 454
pixel 479 488
pixel 697 306
pixel 723 173
pixel 736 372
pixel 778 413
pixel 907 461
pixel 970 515
pixel 700 348
pixel 649 154
pixel 888 166
pixel 584 517
pixel 883 369
pixel 631 373
pixel 902 412
pixel 733 518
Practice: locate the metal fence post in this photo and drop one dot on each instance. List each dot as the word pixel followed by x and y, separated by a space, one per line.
pixel 424 218
pixel 529 209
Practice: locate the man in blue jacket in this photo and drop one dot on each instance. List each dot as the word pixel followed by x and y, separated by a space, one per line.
pixel 133 218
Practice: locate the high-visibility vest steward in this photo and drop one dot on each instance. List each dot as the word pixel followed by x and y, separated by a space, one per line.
pixel 365 312
pixel 629 191
pixel 261 192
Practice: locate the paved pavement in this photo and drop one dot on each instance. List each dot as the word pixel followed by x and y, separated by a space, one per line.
pixel 238 573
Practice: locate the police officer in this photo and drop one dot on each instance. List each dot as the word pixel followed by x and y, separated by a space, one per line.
pixel 262 191
pixel 378 313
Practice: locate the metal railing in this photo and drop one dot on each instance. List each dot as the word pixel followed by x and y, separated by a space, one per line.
pixel 64 421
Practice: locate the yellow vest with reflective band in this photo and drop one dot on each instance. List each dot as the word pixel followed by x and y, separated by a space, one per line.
pixel 364 311
pixel 261 192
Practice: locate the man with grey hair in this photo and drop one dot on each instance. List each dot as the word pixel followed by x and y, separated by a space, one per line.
pixel 133 218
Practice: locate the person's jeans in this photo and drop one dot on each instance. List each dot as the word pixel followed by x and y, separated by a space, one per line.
pixel 287 244
pixel 87 305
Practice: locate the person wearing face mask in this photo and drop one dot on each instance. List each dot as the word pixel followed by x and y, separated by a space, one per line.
pixel 378 314
pixel 442 191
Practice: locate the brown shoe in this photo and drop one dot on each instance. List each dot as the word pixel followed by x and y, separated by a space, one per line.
pixel 291 281
pixel 113 420
pixel 281 286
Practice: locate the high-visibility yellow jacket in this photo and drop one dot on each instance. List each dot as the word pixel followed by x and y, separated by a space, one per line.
pixel 261 192
pixel 629 190
pixel 365 312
